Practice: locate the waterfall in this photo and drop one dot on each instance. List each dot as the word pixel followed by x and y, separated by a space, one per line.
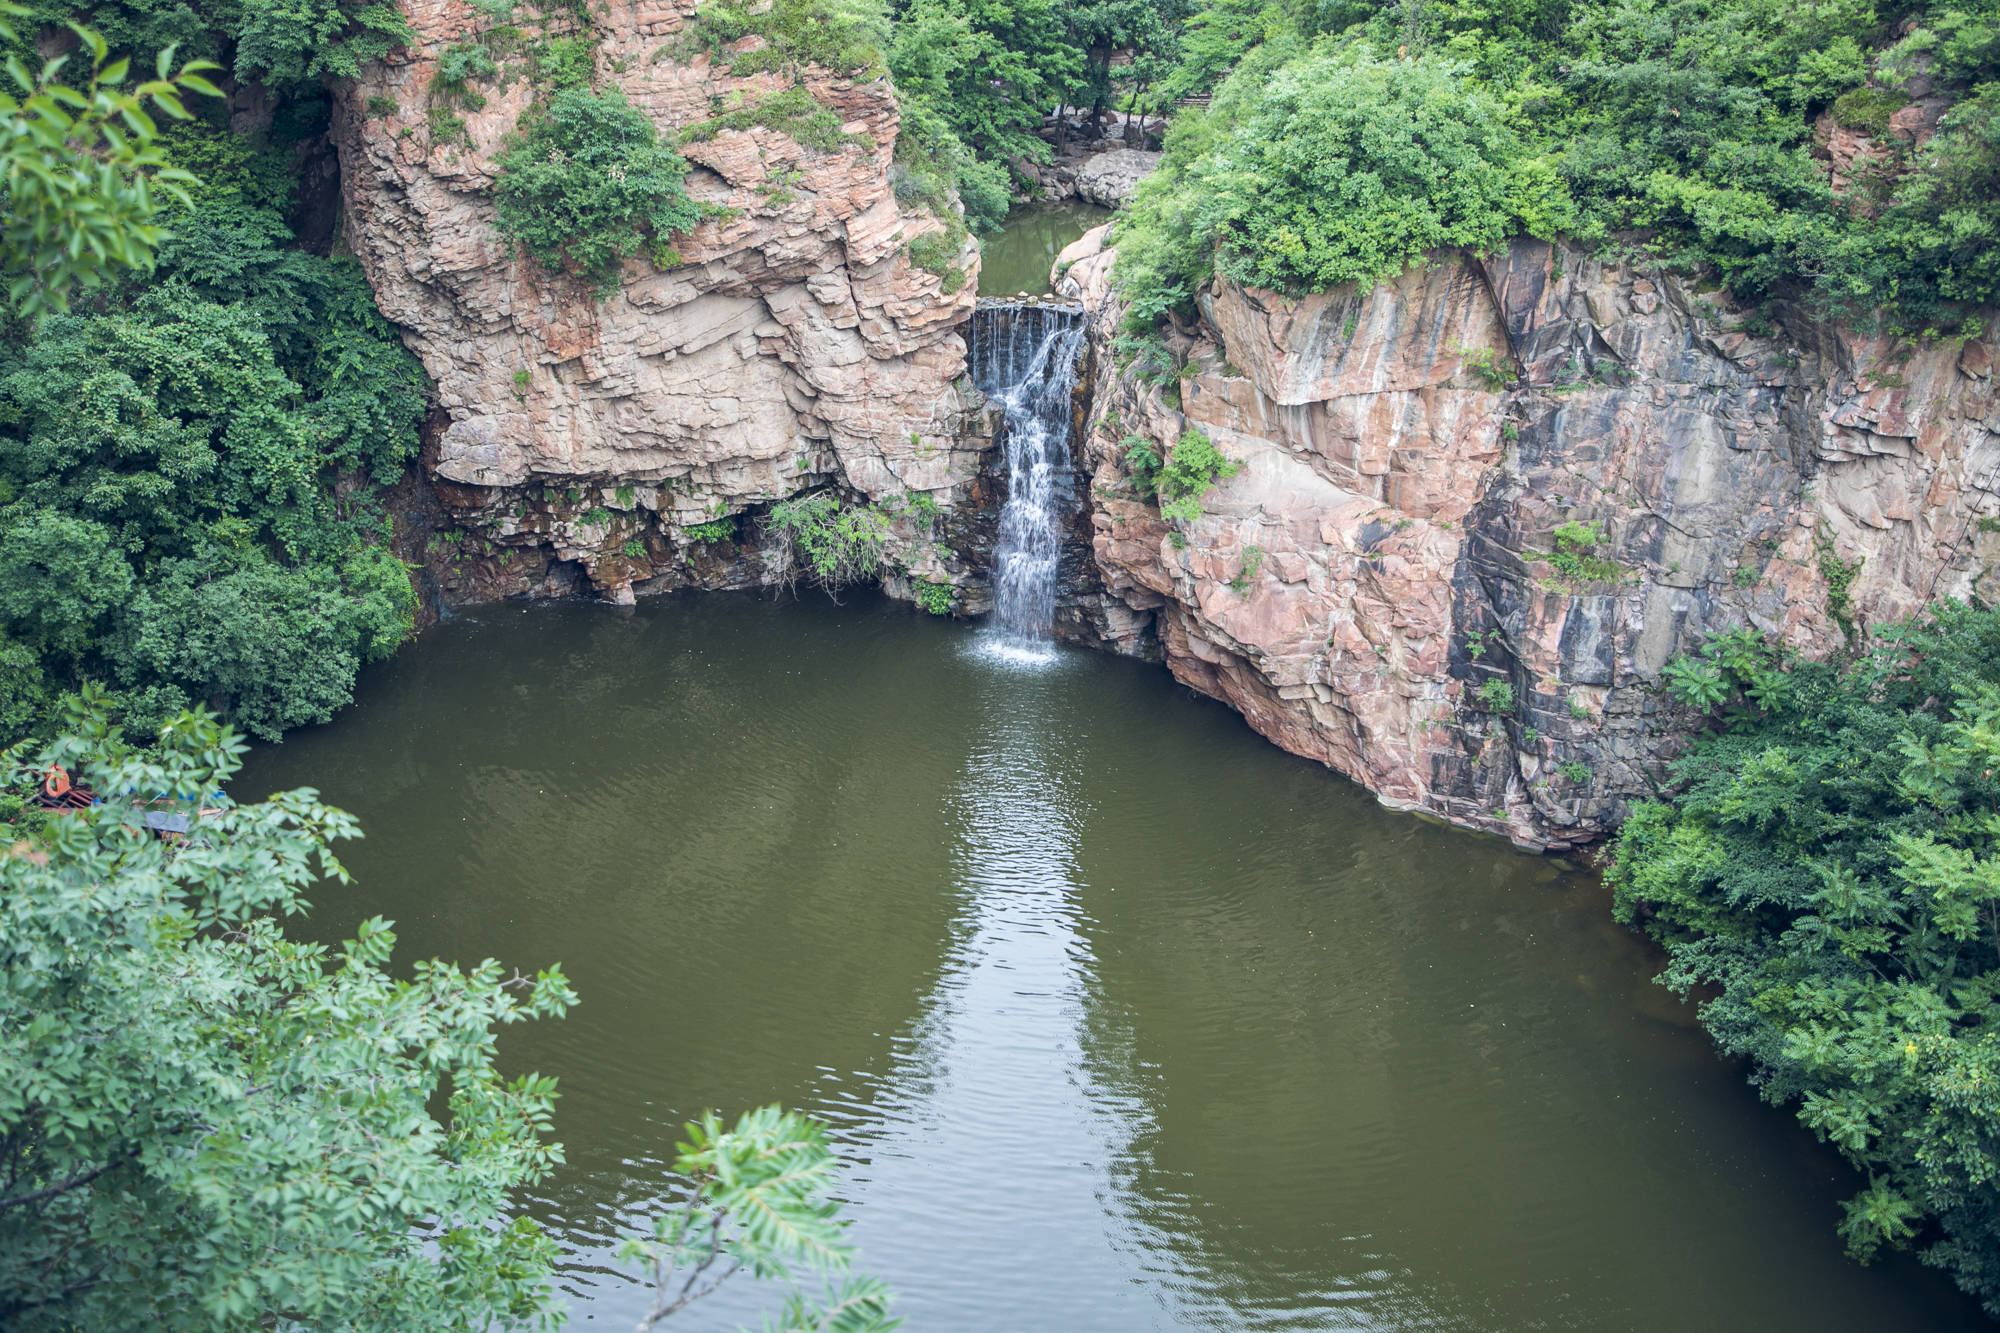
pixel 1024 357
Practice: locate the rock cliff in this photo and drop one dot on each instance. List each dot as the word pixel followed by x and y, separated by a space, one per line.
pixel 1381 586
pixel 794 346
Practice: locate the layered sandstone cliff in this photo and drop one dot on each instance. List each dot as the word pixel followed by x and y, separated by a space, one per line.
pixel 1408 455
pixel 794 346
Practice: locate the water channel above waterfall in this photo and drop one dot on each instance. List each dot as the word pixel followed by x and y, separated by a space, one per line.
pixel 1124 1019
pixel 1018 258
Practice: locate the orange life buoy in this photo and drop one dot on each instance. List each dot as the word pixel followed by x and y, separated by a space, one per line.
pixel 57 781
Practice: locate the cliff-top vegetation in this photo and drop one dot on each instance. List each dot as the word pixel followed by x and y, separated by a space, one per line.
pixel 1345 140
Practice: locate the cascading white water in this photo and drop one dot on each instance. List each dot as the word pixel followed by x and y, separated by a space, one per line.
pixel 1024 358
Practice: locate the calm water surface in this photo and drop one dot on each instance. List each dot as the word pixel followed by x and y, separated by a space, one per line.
pixel 1018 258
pixel 1124 1019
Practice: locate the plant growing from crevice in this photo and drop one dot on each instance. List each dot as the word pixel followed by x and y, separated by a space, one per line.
pixel 1739 671
pixel 936 598
pixel 1839 575
pixel 1190 472
pixel 1495 696
pixel 840 36
pixel 1142 460
pixel 713 531
pixel 1576 559
pixel 1491 368
pixel 1253 560
pixel 792 112
pixel 1575 770
pixel 1144 357
pixel 936 252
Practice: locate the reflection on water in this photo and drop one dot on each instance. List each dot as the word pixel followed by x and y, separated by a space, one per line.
pixel 1123 1019
pixel 1006 1016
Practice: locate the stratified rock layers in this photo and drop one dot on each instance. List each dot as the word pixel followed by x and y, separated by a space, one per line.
pixel 794 345
pixel 1408 454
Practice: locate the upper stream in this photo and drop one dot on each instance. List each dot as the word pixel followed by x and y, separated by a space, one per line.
pixel 1123 1018
pixel 1018 258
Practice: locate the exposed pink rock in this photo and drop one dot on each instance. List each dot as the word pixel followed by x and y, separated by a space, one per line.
pixel 1403 510
pixel 793 344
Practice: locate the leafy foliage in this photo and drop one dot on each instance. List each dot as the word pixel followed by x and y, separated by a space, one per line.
pixel 1191 471
pixel 936 598
pixel 1142 460
pixel 312 39
pixel 1828 872
pixel 1367 136
pixel 792 112
pixel 585 183
pixel 169 514
pixel 712 531
pixel 208 1124
pixel 84 171
pixel 1351 169
pixel 1575 555
pixel 756 1197
pixel 844 37
pixel 988 69
pixel 835 542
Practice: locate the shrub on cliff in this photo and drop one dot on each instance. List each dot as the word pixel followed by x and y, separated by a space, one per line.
pixel 1828 874
pixel 1687 132
pixel 585 183
pixel 834 541
pixel 1341 168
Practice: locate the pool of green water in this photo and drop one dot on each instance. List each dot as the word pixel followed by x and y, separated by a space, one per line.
pixel 1018 257
pixel 1122 1018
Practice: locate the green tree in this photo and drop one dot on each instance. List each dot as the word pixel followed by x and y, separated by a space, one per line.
pixel 1827 874
pixel 61 580
pixel 990 69
pixel 275 648
pixel 1345 169
pixel 172 510
pixel 205 1123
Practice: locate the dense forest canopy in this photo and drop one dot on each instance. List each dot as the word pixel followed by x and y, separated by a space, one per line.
pixel 190 458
